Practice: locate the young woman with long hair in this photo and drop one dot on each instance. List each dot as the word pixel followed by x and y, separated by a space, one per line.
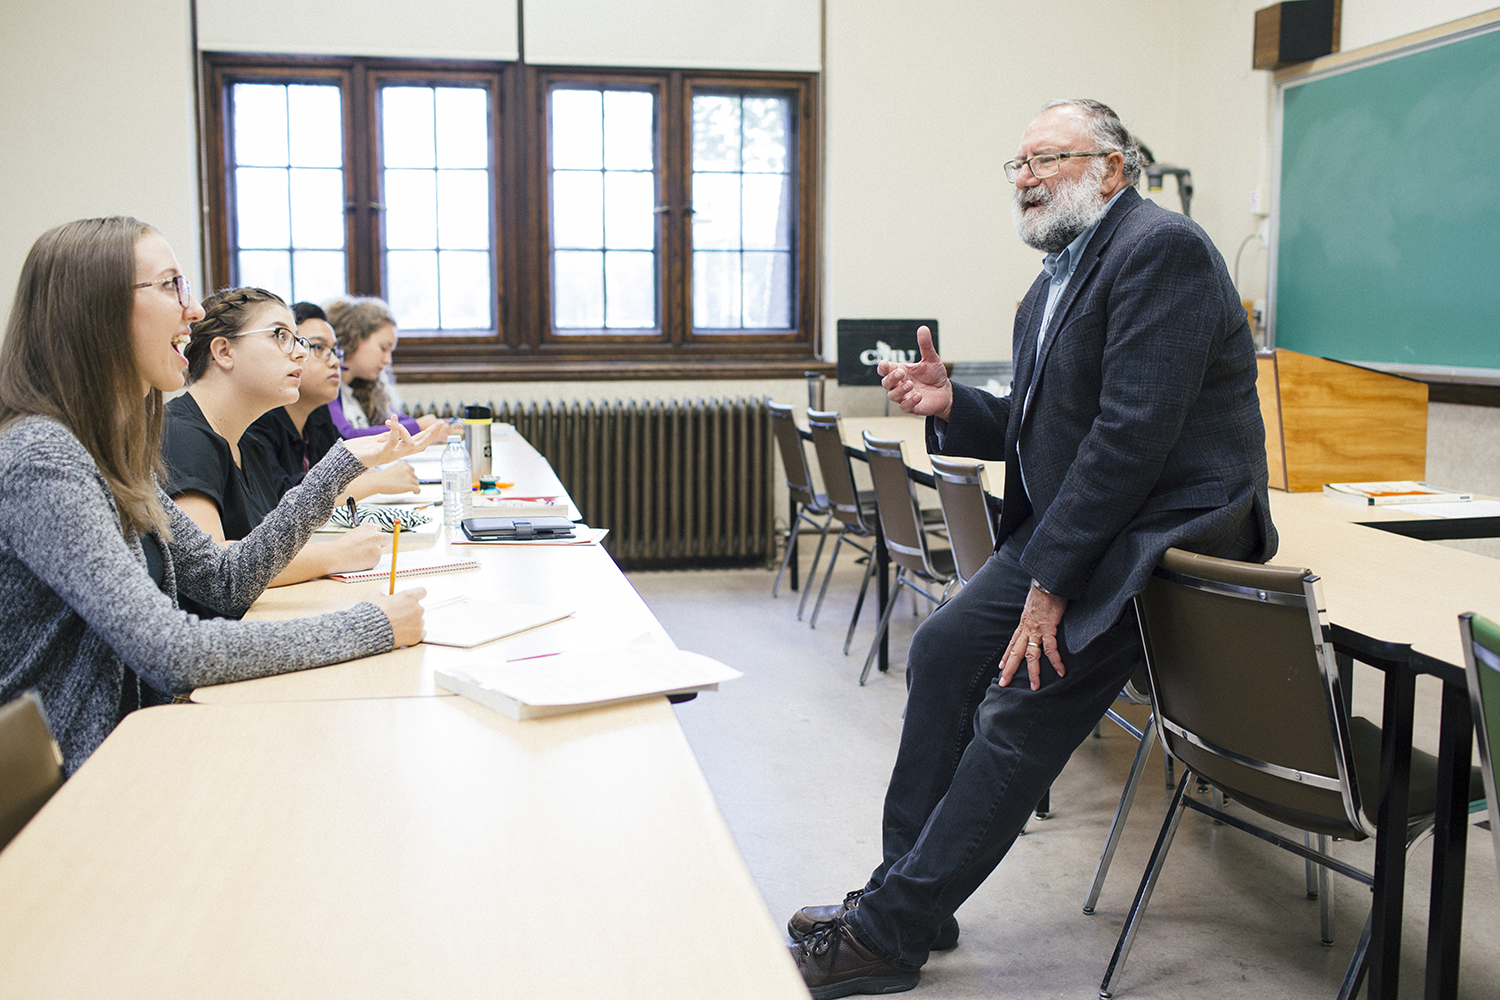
pixel 366 331
pixel 93 555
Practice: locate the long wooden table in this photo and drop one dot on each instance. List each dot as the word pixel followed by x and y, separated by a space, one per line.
pixel 339 832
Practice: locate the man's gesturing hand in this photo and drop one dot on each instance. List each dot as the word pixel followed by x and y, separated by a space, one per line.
pixel 921 388
pixel 1037 634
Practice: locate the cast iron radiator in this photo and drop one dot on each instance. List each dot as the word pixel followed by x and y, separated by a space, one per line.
pixel 678 483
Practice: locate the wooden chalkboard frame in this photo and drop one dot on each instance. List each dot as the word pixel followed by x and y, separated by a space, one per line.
pixel 1484 379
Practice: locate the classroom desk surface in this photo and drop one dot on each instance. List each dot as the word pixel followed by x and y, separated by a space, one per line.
pixel 401 847
pixel 581 577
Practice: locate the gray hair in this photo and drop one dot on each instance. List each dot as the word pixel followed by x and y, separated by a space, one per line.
pixel 1106 132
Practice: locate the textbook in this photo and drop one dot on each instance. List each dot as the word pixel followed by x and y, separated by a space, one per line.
pixel 587 678
pixel 467 621
pixel 421 563
pixel 1395 491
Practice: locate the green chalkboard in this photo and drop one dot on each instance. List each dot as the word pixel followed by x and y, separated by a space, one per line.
pixel 1388 217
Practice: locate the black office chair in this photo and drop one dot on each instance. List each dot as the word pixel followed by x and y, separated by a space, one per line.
pixel 807 503
pixel 854 508
pixel 30 764
pixel 1481 639
pixel 1248 697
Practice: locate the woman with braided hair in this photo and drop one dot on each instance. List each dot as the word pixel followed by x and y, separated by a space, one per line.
pixel 245 357
pixel 366 332
pixel 93 555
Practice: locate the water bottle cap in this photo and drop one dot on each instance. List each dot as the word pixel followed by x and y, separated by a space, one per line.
pixel 455 437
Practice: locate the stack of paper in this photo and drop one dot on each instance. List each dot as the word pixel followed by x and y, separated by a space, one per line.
pixel 1393 492
pixel 569 682
pixel 469 621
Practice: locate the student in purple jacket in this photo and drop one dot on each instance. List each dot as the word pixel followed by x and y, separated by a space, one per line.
pixel 366 332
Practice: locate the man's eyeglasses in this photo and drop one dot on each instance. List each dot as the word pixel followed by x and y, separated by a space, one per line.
pixel 289 343
pixel 180 284
pixel 1042 165
pixel 324 352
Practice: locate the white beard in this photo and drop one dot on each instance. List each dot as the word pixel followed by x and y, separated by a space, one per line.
pixel 1069 209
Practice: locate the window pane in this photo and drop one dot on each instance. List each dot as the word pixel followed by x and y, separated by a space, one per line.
pixel 768 290
pixel 716 290
pixel 716 133
pixel 410 209
pixel 767 212
pixel 318 275
pixel 716 211
pixel 628 137
pixel 766 143
pixel 463 127
pixel 577 208
pixel 577 130
pixel 411 282
pixel 578 289
pixel 630 287
pixel 260 125
pixel 268 269
pixel 629 203
pixel 407 136
pixel 463 202
pixel 315 126
pixel 317 198
pixel 465 284
pixel 261 201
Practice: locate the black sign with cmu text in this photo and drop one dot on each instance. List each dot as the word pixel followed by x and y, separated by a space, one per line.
pixel 864 343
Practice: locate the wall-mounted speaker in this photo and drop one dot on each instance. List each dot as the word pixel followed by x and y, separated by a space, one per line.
pixel 1295 31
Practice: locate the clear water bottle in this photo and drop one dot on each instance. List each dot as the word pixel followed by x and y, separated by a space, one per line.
pixel 458 481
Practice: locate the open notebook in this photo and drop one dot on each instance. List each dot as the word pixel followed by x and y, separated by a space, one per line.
pixel 469 621
pixel 418 563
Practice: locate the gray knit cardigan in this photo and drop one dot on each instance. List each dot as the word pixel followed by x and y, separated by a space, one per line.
pixel 77 604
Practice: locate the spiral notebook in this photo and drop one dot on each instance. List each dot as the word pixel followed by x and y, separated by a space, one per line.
pixel 416 564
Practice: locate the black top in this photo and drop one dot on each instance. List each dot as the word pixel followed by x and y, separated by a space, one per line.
pixel 197 458
pixel 292 453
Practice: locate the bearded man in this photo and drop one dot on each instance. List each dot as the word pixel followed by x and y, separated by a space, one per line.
pixel 1132 426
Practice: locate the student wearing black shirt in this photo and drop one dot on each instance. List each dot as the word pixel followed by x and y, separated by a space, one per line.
pixel 295 436
pixel 245 358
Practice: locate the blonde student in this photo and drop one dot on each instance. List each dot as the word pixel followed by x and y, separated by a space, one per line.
pixel 366 332
pixel 93 555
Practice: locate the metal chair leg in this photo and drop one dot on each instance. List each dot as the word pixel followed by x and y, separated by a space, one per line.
pixel 885 621
pixel 1354 977
pixel 827 576
pixel 1148 883
pixel 791 548
pixel 1122 811
pixel 1325 894
pixel 812 571
pixel 859 602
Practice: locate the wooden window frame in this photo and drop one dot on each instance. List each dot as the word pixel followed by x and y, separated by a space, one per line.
pixel 523 346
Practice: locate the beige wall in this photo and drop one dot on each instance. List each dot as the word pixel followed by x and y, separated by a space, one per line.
pixel 96 118
pixel 433 29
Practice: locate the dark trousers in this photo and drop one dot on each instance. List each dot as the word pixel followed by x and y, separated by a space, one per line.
pixel 975 757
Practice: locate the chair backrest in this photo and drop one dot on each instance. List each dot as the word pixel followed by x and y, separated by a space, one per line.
pixel 900 513
pixel 1482 660
pixel 30 763
pixel 963 490
pixel 833 463
pixel 793 458
pixel 1246 690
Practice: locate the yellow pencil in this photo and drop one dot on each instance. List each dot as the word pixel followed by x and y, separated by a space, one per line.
pixel 395 545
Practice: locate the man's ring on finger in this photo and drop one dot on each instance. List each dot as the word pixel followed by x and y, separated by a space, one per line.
pixel 1033 644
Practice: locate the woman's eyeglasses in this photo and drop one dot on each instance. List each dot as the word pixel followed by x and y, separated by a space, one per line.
pixel 180 284
pixel 286 340
pixel 324 352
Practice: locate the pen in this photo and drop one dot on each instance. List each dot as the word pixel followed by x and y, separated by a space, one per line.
pixel 353 512
pixel 395 544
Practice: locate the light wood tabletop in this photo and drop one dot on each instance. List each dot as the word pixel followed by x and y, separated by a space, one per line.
pixel 404 847
pixel 581 578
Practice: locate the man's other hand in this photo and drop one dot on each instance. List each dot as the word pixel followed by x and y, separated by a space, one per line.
pixel 921 388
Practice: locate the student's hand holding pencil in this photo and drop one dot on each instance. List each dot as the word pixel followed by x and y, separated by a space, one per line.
pixel 404 610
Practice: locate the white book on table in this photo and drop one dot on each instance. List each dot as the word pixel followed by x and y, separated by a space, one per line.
pixel 469 621
pixel 575 680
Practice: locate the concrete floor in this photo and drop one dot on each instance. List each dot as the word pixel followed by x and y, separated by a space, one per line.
pixel 798 755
